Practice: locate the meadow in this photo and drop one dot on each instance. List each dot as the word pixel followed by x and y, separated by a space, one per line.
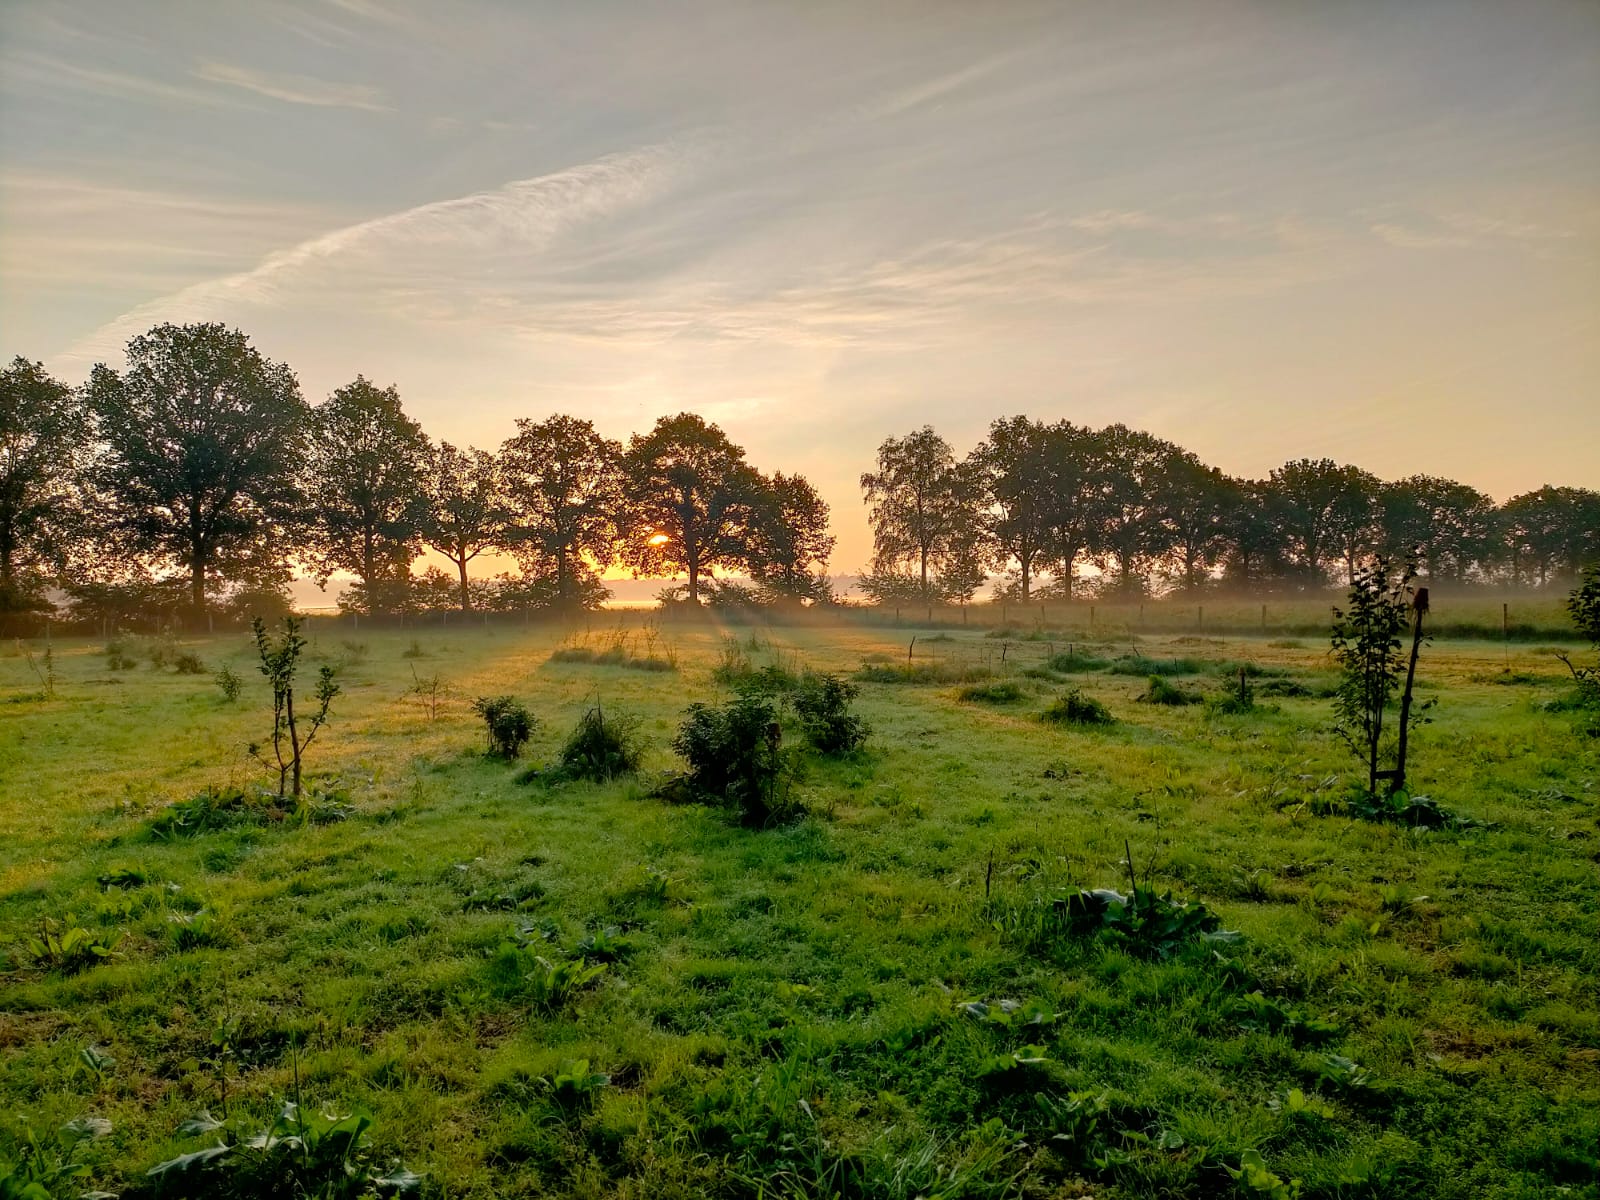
pixel 540 988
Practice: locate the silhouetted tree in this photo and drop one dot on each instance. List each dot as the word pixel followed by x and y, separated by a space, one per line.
pixel 1323 509
pixel 1015 471
pixel 564 485
pixel 789 540
pixel 200 443
pixel 1553 530
pixel 466 511
pixel 1072 494
pixel 691 498
pixel 926 516
pixel 44 438
pixel 1195 500
pixel 1129 530
pixel 364 481
pixel 1451 527
pixel 1256 554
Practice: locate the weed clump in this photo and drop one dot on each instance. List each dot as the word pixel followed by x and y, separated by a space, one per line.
pixel 923 673
pixel 1161 692
pixel 1076 662
pixel 68 948
pixel 1142 922
pixel 602 748
pixel 1074 708
pixel 999 692
pixel 188 663
pixel 216 808
pixel 734 757
pixel 119 657
pixel 507 724
pixel 1137 664
pixel 822 702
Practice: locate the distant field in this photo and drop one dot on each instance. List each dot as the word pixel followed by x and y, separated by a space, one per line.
pixel 871 1000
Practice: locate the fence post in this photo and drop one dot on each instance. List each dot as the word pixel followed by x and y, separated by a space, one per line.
pixel 1200 618
pixel 911 647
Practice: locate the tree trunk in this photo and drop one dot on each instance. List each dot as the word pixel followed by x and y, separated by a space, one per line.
pixel 694 581
pixel 466 595
pixel 197 587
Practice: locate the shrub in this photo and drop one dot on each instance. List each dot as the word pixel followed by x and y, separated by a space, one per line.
pixel 279 662
pixel 733 755
pixel 507 724
pixel 229 683
pixel 188 663
pixel 1584 606
pixel 1001 692
pixel 68 948
pixel 1136 664
pixel 601 748
pixel 822 702
pixel 1076 662
pixel 119 657
pixel 1075 708
pixel 1160 691
pixel 1143 922
pixel 213 809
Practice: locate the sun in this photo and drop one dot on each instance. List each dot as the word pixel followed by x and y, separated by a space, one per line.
pixel 657 539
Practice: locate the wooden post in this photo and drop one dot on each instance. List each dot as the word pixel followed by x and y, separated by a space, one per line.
pixel 911 648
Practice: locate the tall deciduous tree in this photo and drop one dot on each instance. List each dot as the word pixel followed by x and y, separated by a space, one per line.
pixel 789 540
pixel 926 516
pixel 201 438
pixel 44 435
pixel 466 511
pixel 691 499
pixel 1195 500
pixel 364 477
pixel 1552 531
pixel 1015 471
pixel 564 486
pixel 1072 492
pixel 1326 511
pixel 1450 526
pixel 1130 529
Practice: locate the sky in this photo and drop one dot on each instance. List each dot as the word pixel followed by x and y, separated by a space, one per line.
pixel 1362 230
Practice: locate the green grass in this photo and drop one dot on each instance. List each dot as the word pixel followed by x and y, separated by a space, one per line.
pixel 873 1000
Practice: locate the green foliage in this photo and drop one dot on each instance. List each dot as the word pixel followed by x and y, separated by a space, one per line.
pixel 228 683
pixel 1002 692
pixel 935 673
pixel 1366 645
pixel 280 661
pixel 1143 922
pixel 1160 691
pixel 52 1169
pixel 67 948
pixel 602 748
pixel 119 656
pixel 1074 708
pixel 213 809
pixel 550 986
pixel 1584 607
pixel 734 756
pixel 1252 1178
pixel 1137 664
pixel 1254 1010
pixel 188 663
pixel 575 1086
pixel 1076 662
pixel 1402 808
pixel 507 724
pixel 320 1155
pixel 822 703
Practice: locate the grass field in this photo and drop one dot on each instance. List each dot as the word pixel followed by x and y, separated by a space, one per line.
pixel 870 1000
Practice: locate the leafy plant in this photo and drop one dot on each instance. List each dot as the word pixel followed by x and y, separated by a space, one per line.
pixel 1402 808
pixel 188 663
pixel 549 985
pixel 1254 1010
pixel 507 724
pixel 119 657
pixel 1366 645
pixel 1253 1178
pixel 216 808
pixel 428 689
pixel 1584 607
pixel 575 1086
pixel 604 945
pixel 733 753
pixel 53 1169
pixel 1001 692
pixel 602 748
pixel 1142 922
pixel 325 1156
pixel 1160 691
pixel 822 703
pixel 1074 708
pixel 279 662
pixel 229 683
pixel 68 948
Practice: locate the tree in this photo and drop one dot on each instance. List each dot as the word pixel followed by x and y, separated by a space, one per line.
pixel 466 512
pixel 1071 489
pixel 279 662
pixel 1196 501
pixel 1449 526
pixel 1553 529
pixel 691 499
pixel 1129 527
pixel 564 489
pixel 364 482
pixel 789 539
pixel 1252 528
pixel 1013 468
pixel 925 515
pixel 1324 509
pixel 200 441
pixel 44 437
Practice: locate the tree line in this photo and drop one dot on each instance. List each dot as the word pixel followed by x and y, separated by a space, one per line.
pixel 196 479
pixel 1039 502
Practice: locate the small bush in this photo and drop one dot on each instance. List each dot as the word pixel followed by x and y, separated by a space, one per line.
pixel 229 683
pixel 572 654
pixel 1160 691
pixel 119 657
pixel 601 748
pixel 1076 662
pixel 1137 664
pixel 733 755
pixel 414 650
pixel 1075 708
pixel 216 808
pixel 68 948
pixel 188 663
pixel 507 724
pixel 1000 692
pixel 1290 688
pixel 822 702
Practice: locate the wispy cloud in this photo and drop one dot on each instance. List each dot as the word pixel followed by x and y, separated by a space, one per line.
pixel 294 89
pixel 399 253
pixel 44 70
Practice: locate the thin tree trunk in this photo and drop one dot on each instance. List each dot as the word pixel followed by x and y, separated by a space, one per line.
pixel 1420 609
pixel 466 595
